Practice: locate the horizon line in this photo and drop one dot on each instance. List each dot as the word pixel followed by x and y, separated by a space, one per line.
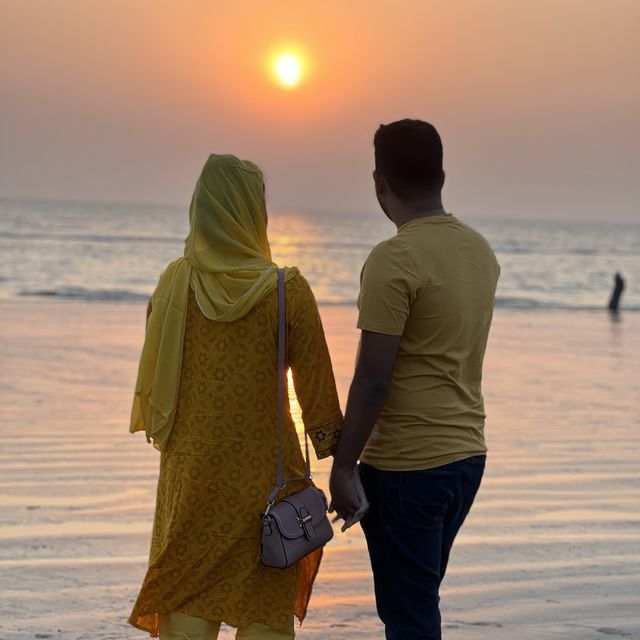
pixel 288 211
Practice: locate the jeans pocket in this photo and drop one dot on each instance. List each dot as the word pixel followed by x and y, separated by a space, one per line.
pixel 421 514
pixel 422 500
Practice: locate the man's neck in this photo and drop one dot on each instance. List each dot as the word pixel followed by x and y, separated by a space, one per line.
pixel 425 209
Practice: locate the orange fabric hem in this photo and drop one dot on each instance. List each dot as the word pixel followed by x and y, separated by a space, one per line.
pixel 308 569
pixel 149 623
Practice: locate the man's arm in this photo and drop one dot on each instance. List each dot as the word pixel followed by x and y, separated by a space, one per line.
pixel 367 395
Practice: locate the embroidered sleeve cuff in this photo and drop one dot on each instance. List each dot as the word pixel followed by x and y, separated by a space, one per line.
pixel 325 437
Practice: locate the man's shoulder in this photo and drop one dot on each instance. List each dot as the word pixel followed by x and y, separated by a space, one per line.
pixel 472 232
pixel 473 239
pixel 391 260
pixel 390 249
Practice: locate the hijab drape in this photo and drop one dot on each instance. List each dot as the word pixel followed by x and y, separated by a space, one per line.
pixel 227 262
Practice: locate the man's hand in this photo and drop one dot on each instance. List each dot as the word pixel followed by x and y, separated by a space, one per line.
pixel 367 395
pixel 346 500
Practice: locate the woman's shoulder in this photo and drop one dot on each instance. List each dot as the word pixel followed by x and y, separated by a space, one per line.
pixel 297 283
pixel 299 291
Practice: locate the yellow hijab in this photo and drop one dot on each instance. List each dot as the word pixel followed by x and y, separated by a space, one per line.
pixel 227 263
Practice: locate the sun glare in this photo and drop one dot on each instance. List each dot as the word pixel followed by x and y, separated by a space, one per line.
pixel 288 69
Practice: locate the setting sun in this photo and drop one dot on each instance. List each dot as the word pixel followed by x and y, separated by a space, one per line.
pixel 288 69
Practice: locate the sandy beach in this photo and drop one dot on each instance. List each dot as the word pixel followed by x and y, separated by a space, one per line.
pixel 551 549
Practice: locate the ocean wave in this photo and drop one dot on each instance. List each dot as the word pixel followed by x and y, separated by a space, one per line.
pixel 519 303
pixel 507 303
pixel 97 238
pixel 335 303
pixel 531 304
pixel 89 295
pixel 562 252
pixel 332 246
pixel 124 295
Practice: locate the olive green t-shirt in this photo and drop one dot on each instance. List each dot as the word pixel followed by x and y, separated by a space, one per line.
pixel 433 284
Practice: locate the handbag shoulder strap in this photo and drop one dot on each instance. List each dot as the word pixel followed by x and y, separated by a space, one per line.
pixel 282 382
pixel 281 483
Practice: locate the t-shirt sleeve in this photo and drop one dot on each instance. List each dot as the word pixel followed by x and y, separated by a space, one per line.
pixel 389 284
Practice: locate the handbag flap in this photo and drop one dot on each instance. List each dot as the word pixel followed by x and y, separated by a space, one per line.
pixel 291 513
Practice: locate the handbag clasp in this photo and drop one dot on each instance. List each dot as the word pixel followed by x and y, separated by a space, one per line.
pixel 302 520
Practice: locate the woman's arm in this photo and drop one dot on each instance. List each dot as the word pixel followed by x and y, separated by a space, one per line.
pixel 311 369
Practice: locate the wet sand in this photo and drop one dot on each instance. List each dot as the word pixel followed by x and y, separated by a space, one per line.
pixel 550 550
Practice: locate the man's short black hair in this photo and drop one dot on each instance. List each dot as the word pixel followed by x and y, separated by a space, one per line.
pixel 409 155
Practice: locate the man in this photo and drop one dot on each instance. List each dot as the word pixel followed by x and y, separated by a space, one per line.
pixel 425 308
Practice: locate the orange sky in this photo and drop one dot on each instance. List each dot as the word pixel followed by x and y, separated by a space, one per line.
pixel 537 101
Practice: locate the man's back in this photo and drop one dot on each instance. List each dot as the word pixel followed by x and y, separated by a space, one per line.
pixel 433 283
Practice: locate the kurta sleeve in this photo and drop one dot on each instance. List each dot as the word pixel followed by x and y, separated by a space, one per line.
pixel 311 369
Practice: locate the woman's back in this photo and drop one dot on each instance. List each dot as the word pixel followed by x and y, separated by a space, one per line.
pixel 219 465
pixel 229 375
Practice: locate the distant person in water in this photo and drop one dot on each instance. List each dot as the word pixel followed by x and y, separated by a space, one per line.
pixel 415 413
pixel 207 396
pixel 616 294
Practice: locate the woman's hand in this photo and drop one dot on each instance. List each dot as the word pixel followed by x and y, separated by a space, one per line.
pixel 347 496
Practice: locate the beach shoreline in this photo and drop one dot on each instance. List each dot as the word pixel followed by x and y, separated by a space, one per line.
pixel 551 548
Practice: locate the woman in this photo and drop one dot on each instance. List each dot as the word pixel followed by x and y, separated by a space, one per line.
pixel 206 396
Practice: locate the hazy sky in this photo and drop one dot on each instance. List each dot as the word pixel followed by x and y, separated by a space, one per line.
pixel 537 101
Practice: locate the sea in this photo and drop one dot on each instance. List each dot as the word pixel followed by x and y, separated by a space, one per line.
pixel 116 252
pixel 551 548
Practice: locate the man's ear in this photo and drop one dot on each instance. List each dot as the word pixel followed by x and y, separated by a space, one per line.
pixel 380 183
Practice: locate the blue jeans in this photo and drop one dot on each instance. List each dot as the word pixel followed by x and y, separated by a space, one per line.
pixel 410 528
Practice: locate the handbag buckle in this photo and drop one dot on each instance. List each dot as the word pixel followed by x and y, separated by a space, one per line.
pixel 302 520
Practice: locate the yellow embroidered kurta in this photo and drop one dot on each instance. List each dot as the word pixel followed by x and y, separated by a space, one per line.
pixel 219 466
